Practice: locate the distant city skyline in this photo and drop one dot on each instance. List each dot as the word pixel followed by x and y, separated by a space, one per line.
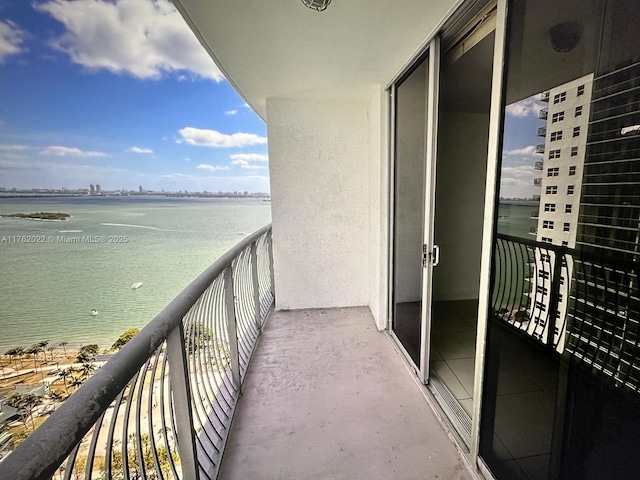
pixel 97 190
pixel 122 94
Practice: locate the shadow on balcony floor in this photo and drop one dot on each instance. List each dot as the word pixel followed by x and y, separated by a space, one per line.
pixel 328 397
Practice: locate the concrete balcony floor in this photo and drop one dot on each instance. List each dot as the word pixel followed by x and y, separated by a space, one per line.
pixel 328 397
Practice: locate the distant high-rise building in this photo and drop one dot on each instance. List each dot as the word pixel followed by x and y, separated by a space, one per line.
pixel 567 120
pixel 92 189
pixel 140 188
pixel 98 188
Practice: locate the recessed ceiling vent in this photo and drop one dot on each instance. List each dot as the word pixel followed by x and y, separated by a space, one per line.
pixel 318 5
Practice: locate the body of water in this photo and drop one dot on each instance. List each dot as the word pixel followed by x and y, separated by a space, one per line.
pixel 54 274
pixel 515 218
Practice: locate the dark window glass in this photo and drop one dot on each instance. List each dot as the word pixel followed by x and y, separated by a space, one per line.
pixel 579 417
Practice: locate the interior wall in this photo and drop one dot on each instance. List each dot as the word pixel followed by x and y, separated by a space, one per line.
pixel 319 168
pixel 460 188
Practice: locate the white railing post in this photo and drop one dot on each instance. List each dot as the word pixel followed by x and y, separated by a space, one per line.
pixel 270 249
pixel 256 284
pixel 181 392
pixel 229 300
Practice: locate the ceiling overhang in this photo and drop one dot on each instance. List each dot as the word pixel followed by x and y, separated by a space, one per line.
pixel 282 49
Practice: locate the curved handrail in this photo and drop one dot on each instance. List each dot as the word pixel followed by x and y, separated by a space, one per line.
pixel 46 449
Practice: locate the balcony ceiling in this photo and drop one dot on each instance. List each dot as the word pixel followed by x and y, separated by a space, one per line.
pixel 281 49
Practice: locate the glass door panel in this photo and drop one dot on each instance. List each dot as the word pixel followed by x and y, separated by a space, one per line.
pixel 408 208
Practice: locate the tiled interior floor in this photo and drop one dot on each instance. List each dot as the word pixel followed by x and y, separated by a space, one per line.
pixel 453 347
pixel 453 343
pixel 526 384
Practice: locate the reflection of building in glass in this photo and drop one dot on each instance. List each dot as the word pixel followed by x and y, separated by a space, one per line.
pixel 605 310
pixel 567 118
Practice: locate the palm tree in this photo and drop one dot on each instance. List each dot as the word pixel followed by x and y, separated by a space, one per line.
pixel 56 396
pixel 35 350
pixel 20 353
pixel 43 345
pixel 25 403
pixel 64 346
pixel 86 369
pixel 64 374
pixel 76 382
pixel 13 354
pixel 82 357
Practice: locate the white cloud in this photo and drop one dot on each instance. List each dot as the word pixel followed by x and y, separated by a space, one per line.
pixel 143 38
pixel 13 147
pixel 528 150
pixel 50 168
pixel 231 112
pixel 140 150
pixel 213 138
pixel 526 107
pixel 204 166
pixel 59 151
pixel 243 159
pixel 249 157
pixel 11 38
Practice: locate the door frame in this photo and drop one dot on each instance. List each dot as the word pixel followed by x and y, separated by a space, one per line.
pixel 432 51
pixel 491 187
pixel 431 147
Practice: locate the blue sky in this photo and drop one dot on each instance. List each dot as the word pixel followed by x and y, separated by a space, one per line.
pixel 520 140
pixel 119 93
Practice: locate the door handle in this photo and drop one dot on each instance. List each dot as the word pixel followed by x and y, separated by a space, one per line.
pixel 435 255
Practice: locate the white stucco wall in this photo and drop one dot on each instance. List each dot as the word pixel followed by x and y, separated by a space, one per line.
pixel 319 168
pixel 378 207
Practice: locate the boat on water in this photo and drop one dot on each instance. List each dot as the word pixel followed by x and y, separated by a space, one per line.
pixel 136 285
pixel 94 312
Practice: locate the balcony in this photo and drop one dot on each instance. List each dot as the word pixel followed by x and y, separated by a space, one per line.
pixel 325 393
pixel 534 214
pixel 538 165
pixel 544 96
pixel 537 182
pixel 540 148
pixel 542 131
pixel 322 396
pixel 543 114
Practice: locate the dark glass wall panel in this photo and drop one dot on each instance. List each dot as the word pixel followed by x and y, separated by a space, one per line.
pixel 562 377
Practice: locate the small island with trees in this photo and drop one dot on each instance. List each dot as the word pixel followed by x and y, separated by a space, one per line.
pixel 39 216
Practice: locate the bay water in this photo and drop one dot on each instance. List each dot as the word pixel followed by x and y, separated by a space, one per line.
pixel 54 273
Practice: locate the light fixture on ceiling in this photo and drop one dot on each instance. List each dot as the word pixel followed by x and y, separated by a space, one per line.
pixel 565 36
pixel 318 5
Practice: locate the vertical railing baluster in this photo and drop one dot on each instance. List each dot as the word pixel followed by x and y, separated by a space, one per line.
pixel 181 392
pixel 256 284
pixel 229 300
pixel 553 295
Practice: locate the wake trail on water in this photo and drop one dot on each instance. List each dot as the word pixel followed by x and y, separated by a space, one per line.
pixel 143 226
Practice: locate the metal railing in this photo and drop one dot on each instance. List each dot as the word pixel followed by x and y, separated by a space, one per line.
pixel 162 406
pixel 543 113
pixel 531 288
pixel 540 148
pixel 584 304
